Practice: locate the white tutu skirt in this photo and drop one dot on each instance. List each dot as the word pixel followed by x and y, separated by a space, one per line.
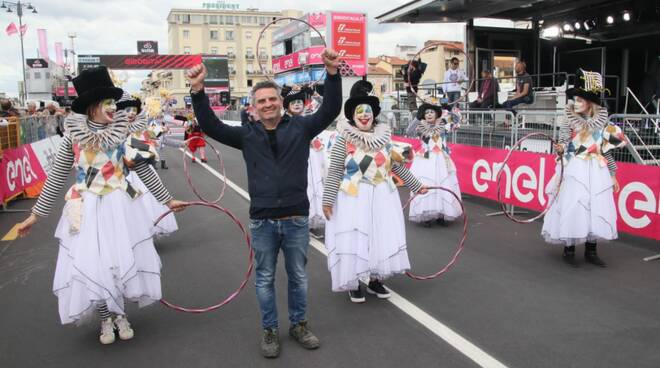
pixel 366 237
pixel 315 174
pixel 111 259
pixel 584 209
pixel 151 205
pixel 436 204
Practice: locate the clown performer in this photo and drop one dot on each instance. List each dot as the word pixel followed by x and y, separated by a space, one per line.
pixel 584 209
pixel 434 167
pixel 365 233
pixel 106 252
pixel 194 131
pixel 140 146
pixel 294 104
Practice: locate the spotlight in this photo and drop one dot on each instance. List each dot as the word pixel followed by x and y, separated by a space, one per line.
pixel 609 19
pixel 577 25
pixel 551 32
pixel 586 26
pixel 567 27
pixel 3 5
pixel 626 16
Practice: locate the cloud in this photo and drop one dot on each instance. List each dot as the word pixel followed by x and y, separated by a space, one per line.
pixel 113 27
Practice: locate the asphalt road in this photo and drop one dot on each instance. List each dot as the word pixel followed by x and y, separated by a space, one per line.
pixel 509 295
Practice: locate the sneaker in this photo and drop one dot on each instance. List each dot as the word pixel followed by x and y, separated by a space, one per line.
pixel 124 328
pixel 270 343
pixel 107 332
pixel 301 333
pixel 194 160
pixel 377 288
pixel 205 160
pixel 357 296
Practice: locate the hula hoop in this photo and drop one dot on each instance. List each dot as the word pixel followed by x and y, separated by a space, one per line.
pixel 436 44
pixel 248 273
pixel 261 34
pixel 461 243
pixel 499 181
pixel 186 170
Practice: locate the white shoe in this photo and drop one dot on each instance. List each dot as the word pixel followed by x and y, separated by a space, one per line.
pixel 124 328
pixel 107 332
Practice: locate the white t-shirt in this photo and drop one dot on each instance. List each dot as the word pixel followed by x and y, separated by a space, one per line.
pixel 451 80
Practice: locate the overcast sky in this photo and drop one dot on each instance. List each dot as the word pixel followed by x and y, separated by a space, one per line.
pixel 113 27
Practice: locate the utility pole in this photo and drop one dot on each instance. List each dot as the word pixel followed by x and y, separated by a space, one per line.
pixel 18 6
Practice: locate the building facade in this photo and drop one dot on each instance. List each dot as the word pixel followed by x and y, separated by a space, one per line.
pixel 223 29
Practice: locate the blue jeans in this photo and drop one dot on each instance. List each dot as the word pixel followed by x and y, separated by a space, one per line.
pixel 292 236
pixel 453 96
pixel 516 101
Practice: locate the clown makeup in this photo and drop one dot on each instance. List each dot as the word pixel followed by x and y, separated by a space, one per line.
pixel 363 117
pixel 296 107
pixel 581 106
pixel 105 111
pixel 131 113
pixel 430 115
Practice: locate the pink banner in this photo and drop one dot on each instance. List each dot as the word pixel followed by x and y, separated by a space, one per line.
pixel 20 169
pixel 59 54
pixel 527 174
pixel 43 44
pixel 349 39
pixel 11 29
pixel 293 61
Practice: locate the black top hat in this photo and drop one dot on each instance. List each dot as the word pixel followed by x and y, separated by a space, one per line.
pixel 427 106
pixel 361 94
pixel 93 85
pixel 292 96
pixel 588 85
pixel 127 100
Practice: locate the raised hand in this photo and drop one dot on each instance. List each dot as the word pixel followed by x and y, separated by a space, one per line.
pixel 195 76
pixel 331 60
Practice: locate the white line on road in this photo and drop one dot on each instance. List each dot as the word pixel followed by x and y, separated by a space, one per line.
pixel 441 330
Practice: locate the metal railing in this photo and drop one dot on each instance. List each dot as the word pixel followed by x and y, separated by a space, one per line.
pixel 26 130
pixel 643 138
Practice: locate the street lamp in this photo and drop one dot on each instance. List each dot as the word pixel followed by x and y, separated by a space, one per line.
pixel 19 6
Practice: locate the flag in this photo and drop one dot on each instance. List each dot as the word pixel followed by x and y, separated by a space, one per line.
pixel 43 44
pixel 23 29
pixel 11 29
pixel 59 55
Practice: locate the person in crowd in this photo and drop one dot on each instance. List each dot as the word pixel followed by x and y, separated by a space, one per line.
pixel 487 93
pixel 106 253
pixel 523 92
pixel 276 150
pixel 584 210
pixel 453 81
pixel 7 109
pixel 31 109
pixel 434 167
pixel 365 230
pixel 412 75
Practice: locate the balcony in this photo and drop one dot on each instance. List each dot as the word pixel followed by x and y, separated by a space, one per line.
pixel 249 56
pixel 231 55
pixel 263 57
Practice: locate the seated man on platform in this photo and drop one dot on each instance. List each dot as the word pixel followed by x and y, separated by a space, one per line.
pixel 523 93
pixel 488 92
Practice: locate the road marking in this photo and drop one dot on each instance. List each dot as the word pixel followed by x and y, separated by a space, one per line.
pixel 12 234
pixel 441 330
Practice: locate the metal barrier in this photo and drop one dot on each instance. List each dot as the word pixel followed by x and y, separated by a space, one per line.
pixel 484 128
pixel 643 135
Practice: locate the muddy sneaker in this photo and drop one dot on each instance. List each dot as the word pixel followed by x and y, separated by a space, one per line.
pixel 107 335
pixel 304 336
pixel 376 287
pixel 270 343
pixel 124 328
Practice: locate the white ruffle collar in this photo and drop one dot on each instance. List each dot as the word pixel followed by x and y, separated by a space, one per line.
pixel 368 141
pixel 92 135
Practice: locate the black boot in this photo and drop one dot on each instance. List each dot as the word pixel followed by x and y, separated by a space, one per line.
pixel 163 165
pixel 591 256
pixel 569 256
pixel 427 223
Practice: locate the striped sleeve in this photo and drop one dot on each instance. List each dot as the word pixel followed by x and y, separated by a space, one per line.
pixel 152 181
pixel 335 172
pixel 611 164
pixel 564 132
pixel 408 178
pixel 56 178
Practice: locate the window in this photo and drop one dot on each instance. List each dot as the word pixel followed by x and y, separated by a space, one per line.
pixel 214 50
pixel 221 19
pixel 213 19
pixel 186 34
pixel 214 35
pixel 186 50
pixel 230 19
pixel 47 75
pixel 230 51
pixel 37 75
pixel 229 35
pixel 250 68
pixel 262 21
pixel 248 35
pixel 185 18
pixel 248 52
pixel 249 82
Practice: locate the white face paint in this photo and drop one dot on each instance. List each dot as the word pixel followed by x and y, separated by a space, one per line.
pixel 430 115
pixel 363 117
pixel 105 112
pixel 131 113
pixel 296 107
pixel 581 105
